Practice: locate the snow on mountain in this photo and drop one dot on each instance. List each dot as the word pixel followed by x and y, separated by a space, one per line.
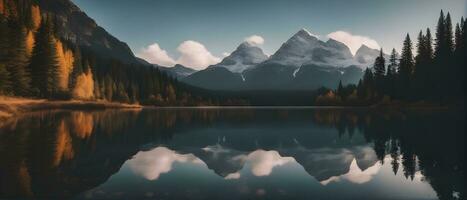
pixel 245 56
pixel 304 48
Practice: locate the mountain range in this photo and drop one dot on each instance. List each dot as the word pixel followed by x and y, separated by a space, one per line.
pixel 304 62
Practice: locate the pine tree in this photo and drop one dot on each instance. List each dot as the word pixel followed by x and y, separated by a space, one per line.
pixel 405 68
pixel 77 68
pixel 449 35
pixel 392 67
pixel 380 72
pixel 440 36
pixel 392 73
pixel 368 84
pixel 17 59
pixel 340 89
pixel 44 64
pixel 458 38
pixel 4 75
pixel 429 44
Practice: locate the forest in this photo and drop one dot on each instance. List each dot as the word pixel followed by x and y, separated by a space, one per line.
pixel 35 62
pixel 435 73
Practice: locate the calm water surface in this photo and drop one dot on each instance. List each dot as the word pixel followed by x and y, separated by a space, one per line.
pixel 273 153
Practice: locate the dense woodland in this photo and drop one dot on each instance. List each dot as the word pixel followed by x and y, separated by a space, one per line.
pixel 36 63
pixel 435 73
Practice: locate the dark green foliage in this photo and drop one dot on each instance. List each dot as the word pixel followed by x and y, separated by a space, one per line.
pixel 44 64
pixel 4 75
pixel 435 75
pixel 17 59
pixel 406 67
pixel 380 72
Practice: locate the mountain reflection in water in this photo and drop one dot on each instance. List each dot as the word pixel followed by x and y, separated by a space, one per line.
pixel 233 154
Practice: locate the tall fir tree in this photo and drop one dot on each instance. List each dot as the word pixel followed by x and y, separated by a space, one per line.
pixel 379 73
pixel 17 59
pixel 406 66
pixel 440 36
pixel 449 35
pixel 44 64
pixel 392 73
pixel 4 75
pixel 368 84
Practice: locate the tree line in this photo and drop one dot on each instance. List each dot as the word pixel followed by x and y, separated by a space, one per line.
pixel 35 62
pixel 436 73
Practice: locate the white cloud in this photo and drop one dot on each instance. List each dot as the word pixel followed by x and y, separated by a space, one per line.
pixel 192 54
pixel 353 41
pixel 155 55
pixel 195 55
pixel 262 162
pixel 255 40
pixel 355 174
pixel 232 176
pixel 151 164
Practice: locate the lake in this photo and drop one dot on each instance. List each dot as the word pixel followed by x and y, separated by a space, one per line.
pixel 237 153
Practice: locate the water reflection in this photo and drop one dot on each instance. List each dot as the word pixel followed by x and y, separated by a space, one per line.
pixel 233 154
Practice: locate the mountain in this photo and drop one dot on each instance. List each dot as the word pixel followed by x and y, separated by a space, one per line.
pixel 365 56
pixel 244 57
pixel 178 71
pixel 303 62
pixel 227 75
pixel 215 78
pixel 73 25
pixel 305 48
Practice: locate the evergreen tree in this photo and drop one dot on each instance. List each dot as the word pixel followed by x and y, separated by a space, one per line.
pixel 429 44
pixel 458 38
pixel 406 66
pixel 440 36
pixel 17 59
pixel 340 89
pixel 392 73
pixel 77 68
pixel 449 35
pixel 4 75
pixel 44 64
pixel 368 84
pixel 380 72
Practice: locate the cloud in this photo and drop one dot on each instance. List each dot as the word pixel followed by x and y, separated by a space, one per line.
pixel 195 55
pixel 151 164
pixel 355 174
pixel 155 55
pixel 192 54
pixel 354 42
pixel 255 40
pixel 262 162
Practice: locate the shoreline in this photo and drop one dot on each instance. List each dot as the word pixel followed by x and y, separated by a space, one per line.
pixel 14 106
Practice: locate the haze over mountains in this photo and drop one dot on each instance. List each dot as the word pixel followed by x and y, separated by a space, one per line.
pixel 304 62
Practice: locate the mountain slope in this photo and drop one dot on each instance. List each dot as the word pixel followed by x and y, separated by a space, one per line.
pixel 215 78
pixel 304 48
pixel 178 71
pixel 75 26
pixel 244 57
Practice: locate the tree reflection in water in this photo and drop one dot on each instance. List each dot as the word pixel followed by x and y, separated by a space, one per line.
pixel 63 153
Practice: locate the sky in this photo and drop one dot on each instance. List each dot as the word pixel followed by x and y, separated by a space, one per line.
pixel 198 33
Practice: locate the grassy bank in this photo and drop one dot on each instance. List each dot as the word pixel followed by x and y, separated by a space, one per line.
pixel 12 106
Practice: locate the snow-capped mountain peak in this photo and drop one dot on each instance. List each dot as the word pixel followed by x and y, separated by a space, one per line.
pixel 304 48
pixel 245 56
